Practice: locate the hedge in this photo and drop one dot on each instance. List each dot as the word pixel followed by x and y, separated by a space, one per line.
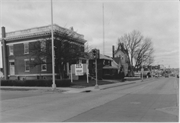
pixel 36 83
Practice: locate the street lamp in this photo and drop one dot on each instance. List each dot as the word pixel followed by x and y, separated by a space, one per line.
pixel 52 40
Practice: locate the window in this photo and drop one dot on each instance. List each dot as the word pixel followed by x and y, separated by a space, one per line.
pixel 27 65
pixel 43 65
pixel 32 63
pixel 122 57
pixel 11 50
pixel 43 46
pixel 12 67
pixel 26 48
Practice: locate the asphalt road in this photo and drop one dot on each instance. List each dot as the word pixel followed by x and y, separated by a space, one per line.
pixel 154 100
pixel 7 94
pixel 10 93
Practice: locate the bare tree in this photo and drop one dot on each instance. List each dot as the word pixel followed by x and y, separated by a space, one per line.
pixel 67 50
pixel 144 53
pixel 138 49
pixel 131 42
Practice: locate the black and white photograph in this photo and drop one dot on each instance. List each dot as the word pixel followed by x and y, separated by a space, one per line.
pixel 89 60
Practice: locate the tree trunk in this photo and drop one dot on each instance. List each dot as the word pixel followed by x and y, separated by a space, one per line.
pixel 61 73
pixel 131 72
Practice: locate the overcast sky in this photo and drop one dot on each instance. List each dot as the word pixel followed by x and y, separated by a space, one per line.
pixel 158 20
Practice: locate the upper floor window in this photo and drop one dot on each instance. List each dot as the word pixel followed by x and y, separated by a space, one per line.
pixel 122 57
pixel 11 50
pixel 26 48
pixel 27 65
pixel 43 46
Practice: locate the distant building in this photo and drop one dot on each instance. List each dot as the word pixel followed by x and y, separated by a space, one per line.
pixel 121 58
pixel 17 46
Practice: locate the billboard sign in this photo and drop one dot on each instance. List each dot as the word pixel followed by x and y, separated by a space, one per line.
pixel 78 69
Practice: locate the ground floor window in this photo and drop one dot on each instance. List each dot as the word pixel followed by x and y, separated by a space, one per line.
pixel 12 67
pixel 27 65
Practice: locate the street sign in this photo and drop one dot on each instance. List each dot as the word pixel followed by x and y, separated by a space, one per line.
pixel 78 69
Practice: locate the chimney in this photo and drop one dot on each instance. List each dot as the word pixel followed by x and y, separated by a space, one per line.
pixel 71 28
pixel 113 51
pixel 3 32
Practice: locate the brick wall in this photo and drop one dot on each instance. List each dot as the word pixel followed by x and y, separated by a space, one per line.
pixel 19 57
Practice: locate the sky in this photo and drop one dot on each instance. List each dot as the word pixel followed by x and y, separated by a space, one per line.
pixel 155 19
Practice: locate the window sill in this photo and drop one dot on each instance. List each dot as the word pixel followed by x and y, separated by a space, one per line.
pixel 43 70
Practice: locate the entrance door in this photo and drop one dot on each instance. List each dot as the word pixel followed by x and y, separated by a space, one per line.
pixel 12 68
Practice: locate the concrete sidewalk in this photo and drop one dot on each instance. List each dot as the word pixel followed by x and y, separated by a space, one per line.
pixel 75 90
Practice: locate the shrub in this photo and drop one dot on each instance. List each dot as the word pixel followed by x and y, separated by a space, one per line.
pixel 36 83
pixel 63 83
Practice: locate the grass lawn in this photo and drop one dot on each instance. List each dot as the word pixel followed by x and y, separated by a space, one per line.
pixel 16 89
pixel 83 83
pixel 132 78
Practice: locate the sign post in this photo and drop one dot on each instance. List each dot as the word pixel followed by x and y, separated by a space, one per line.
pixel 71 75
pixel 87 70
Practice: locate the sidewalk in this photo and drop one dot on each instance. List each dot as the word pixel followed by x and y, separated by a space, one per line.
pixel 102 87
pixel 75 90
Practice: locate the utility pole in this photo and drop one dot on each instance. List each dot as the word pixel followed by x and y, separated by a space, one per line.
pixel 52 43
pixel 103 31
pixel 4 53
pixel 142 70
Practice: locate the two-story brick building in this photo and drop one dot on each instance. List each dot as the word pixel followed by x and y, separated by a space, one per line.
pixel 17 47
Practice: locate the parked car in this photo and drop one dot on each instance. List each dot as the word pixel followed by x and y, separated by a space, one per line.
pixel 166 75
pixel 172 74
pixel 146 74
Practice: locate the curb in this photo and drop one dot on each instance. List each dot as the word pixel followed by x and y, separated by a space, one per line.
pixel 73 90
pixel 118 85
pixel 86 90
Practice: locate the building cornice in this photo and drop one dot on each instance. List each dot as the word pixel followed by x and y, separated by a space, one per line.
pixel 41 31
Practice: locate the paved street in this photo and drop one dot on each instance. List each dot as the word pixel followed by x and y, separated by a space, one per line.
pixel 154 100
pixel 13 93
